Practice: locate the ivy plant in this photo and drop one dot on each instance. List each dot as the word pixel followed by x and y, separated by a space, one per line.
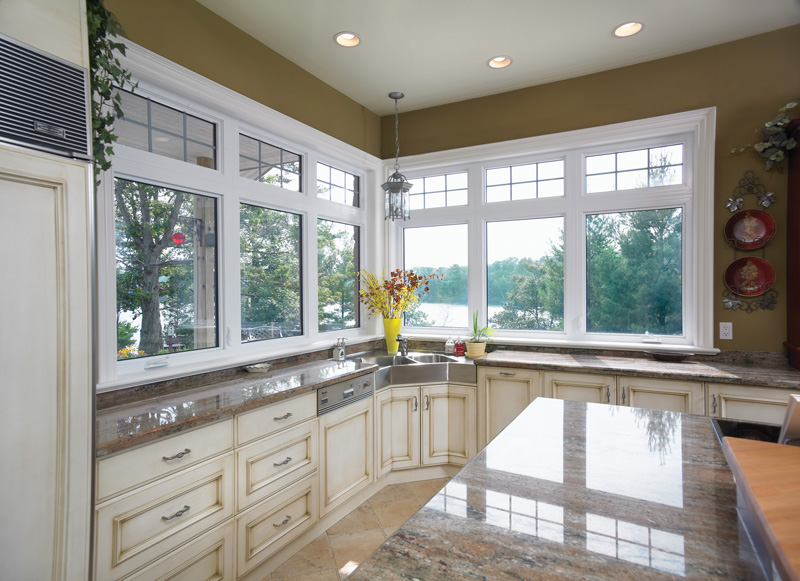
pixel 105 75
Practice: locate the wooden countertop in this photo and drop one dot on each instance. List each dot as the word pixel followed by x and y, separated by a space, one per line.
pixel 768 477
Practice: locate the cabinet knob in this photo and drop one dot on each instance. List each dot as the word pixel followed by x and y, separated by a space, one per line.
pixel 176 456
pixel 284 523
pixel 181 512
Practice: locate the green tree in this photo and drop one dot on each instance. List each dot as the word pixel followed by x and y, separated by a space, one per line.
pixel 338 275
pixel 270 269
pixel 125 333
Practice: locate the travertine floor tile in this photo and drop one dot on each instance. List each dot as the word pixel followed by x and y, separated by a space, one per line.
pixel 311 559
pixel 360 519
pixel 396 512
pixel 321 575
pixel 392 492
pixel 425 489
pixel 350 549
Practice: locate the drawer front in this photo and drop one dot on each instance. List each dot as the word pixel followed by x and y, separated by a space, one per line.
pixel 209 558
pixel 268 526
pixel 748 402
pixel 272 418
pixel 271 464
pixel 143 526
pixel 127 470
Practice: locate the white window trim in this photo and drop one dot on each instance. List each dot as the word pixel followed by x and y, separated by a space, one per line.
pixel 171 84
pixel 699 128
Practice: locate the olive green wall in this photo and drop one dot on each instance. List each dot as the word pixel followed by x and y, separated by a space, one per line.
pixel 747 81
pixel 189 34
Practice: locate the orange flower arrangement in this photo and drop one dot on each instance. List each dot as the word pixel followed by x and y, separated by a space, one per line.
pixel 393 296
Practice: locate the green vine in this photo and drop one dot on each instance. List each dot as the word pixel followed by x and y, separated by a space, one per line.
pixel 105 74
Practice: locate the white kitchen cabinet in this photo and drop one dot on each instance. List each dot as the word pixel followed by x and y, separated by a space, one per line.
pixel 587 387
pixel 144 525
pixel 397 429
pixel 662 394
pixel 502 395
pixel 425 426
pixel 748 402
pixel 138 466
pixel 345 453
pixel 208 558
pixel 271 524
pixel 275 417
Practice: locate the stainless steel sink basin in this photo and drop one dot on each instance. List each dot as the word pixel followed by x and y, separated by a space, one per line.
pixel 432 358
pixel 386 360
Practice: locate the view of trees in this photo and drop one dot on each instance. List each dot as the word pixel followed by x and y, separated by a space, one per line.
pixel 633 279
pixel 337 249
pixel 270 273
pixel 166 285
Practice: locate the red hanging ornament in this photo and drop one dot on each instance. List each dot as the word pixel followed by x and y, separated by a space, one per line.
pixel 178 238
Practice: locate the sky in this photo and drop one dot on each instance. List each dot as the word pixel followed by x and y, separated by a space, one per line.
pixel 439 246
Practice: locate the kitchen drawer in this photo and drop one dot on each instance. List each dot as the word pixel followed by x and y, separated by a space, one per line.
pixel 132 468
pixel 748 402
pixel 268 526
pixel 142 526
pixel 269 419
pixel 271 464
pixel 209 558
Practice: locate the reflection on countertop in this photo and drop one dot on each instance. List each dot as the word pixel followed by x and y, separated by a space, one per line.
pixel 135 423
pixel 571 490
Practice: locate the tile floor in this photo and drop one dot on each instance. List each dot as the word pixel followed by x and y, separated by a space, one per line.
pixel 336 553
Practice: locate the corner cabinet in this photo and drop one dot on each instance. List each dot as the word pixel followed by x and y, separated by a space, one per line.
pixel 425 426
pixel 503 394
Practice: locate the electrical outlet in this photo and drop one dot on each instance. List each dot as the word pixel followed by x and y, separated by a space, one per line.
pixel 726 330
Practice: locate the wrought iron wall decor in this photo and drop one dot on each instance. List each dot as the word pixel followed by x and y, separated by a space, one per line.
pixel 749 278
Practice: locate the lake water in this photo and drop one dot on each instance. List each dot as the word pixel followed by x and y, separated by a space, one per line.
pixel 447 315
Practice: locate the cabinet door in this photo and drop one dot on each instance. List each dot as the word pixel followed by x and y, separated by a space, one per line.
pixel 502 395
pixel 448 424
pixel 748 402
pixel 581 387
pixel 345 453
pixel 662 394
pixel 397 429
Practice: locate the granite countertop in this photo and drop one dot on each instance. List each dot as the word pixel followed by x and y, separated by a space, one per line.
pixel 574 490
pixel 124 426
pixel 754 374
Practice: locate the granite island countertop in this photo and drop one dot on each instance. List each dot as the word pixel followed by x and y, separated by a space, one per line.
pixel 146 419
pixel 573 490
pixel 780 376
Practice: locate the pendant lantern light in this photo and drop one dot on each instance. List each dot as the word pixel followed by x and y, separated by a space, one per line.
pixel 397 186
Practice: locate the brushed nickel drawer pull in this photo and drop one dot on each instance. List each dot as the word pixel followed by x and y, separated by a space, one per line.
pixel 286 416
pixel 608 394
pixel 427 403
pixel 177 514
pixel 176 456
pixel 284 523
pixel 284 463
pixel 623 396
pixel 507 374
pixel 713 403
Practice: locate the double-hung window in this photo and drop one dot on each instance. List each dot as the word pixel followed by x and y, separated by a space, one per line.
pixel 591 238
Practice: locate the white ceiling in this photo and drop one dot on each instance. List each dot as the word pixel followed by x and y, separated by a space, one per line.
pixel 435 51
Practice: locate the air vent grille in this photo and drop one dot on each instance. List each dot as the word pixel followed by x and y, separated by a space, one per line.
pixel 43 101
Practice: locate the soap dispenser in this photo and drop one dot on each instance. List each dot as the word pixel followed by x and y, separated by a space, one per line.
pixel 339 351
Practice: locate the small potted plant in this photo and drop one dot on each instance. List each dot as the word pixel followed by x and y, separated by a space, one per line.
pixel 478 337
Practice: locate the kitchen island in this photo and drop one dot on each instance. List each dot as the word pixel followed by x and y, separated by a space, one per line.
pixel 573 490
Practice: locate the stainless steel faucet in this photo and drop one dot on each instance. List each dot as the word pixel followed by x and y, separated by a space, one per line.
pixel 403 344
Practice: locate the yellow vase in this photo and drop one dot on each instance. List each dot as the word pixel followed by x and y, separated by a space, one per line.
pixel 391 327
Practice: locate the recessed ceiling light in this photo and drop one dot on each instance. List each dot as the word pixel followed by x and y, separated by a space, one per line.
pixel 628 29
pixel 499 62
pixel 348 39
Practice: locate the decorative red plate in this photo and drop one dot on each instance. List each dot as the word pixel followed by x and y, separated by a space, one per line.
pixel 750 276
pixel 750 229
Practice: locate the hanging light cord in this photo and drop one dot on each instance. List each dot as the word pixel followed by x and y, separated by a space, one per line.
pixel 396 139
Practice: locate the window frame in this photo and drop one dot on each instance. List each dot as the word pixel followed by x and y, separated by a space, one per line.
pixel 694 129
pixel 232 114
